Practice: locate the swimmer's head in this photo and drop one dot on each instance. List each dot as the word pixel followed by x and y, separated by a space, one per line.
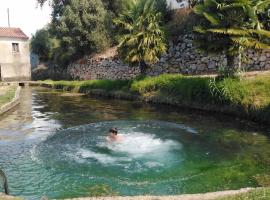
pixel 113 131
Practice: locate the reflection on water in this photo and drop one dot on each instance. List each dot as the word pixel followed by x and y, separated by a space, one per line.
pixel 26 120
pixel 47 148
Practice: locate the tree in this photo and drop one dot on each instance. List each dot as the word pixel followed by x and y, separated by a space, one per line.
pixel 231 27
pixel 42 44
pixel 141 38
pixel 265 18
pixel 114 6
pixel 82 26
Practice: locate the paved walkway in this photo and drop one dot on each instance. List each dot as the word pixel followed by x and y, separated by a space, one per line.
pixel 5 197
pixel 205 196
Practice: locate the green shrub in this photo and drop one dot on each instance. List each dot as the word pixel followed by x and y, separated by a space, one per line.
pixel 175 85
pixel 108 85
pixel 182 22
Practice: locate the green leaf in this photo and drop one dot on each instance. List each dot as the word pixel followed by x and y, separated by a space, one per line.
pixel 212 18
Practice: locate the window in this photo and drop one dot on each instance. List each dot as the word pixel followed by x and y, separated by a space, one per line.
pixel 15 47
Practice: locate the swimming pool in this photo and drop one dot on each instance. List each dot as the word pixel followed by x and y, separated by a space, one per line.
pixel 55 145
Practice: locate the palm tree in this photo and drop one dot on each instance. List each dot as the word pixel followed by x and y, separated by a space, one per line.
pixel 141 39
pixel 5 184
pixel 231 27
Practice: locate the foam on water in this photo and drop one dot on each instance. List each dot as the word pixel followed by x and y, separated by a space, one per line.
pixel 102 158
pixel 137 144
pixel 143 146
pixel 134 147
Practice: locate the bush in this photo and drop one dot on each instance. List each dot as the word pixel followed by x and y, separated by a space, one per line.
pixel 107 85
pixel 178 86
pixel 182 22
pixel 43 44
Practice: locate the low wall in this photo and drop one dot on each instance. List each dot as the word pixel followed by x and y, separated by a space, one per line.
pixel 181 57
pixel 15 101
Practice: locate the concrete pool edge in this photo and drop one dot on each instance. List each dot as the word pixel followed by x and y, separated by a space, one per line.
pixel 8 197
pixel 199 196
pixel 14 102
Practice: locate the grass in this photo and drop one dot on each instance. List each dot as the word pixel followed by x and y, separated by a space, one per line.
pixel 248 96
pixel 84 86
pixel 257 194
pixel 7 95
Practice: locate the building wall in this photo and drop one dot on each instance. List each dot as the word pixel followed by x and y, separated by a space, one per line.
pixel 15 66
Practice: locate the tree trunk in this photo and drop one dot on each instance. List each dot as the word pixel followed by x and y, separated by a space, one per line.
pixel 232 64
pixel 239 61
pixel 143 67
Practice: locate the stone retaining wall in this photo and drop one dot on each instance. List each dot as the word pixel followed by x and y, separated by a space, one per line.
pixel 182 57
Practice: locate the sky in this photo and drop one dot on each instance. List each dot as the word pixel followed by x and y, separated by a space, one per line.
pixel 24 14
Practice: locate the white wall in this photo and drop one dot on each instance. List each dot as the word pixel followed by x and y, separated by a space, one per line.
pixel 15 66
pixel 174 4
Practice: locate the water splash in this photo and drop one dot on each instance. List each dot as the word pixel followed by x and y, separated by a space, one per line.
pixel 143 147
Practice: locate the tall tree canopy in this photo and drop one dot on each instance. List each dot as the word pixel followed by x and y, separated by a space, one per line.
pixel 114 6
pixel 231 26
pixel 42 44
pixel 82 26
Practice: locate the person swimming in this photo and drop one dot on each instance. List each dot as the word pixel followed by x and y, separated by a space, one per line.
pixel 113 135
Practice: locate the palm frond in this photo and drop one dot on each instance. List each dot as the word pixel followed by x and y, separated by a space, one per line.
pixel 249 42
pixel 230 31
pixel 212 18
pixel 199 9
pixel 262 5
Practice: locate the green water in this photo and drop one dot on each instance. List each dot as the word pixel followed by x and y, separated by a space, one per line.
pixel 54 145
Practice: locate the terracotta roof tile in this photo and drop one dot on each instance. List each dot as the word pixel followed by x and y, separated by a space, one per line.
pixel 12 33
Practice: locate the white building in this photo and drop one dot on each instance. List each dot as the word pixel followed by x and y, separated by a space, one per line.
pixel 176 4
pixel 14 55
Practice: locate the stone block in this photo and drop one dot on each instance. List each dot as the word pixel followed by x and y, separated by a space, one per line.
pixel 267 67
pixel 262 58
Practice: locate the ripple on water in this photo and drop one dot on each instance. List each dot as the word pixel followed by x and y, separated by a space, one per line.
pixel 144 146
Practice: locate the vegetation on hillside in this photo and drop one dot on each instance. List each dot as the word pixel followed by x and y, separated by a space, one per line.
pixel 141 28
pixel 79 27
pixel 86 27
pixel 231 27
